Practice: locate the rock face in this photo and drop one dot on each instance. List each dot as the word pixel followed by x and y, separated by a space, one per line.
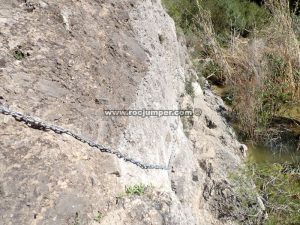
pixel 65 62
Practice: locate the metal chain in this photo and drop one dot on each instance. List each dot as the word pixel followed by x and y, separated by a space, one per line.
pixel 38 124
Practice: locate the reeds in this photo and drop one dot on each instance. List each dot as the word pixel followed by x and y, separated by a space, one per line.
pixel 263 71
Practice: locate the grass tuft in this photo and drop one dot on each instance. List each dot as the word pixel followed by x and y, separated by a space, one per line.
pixel 138 189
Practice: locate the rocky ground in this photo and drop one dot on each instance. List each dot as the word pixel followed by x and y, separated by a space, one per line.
pixel 65 62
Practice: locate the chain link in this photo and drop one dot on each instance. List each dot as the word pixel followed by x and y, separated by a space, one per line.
pixel 39 124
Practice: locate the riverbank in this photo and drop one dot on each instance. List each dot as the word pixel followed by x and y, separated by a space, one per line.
pixel 250 56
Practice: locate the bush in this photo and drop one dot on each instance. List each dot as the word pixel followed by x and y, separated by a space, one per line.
pixel 227 15
pixel 262 74
pixel 280 191
pixel 212 72
pixel 262 71
pixel 278 187
pixel 138 189
pixel 275 91
pixel 183 13
pixel 239 15
pixel 19 55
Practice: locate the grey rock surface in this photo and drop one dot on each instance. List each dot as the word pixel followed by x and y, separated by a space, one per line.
pixel 65 62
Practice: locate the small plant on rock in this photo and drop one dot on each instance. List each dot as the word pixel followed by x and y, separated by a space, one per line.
pixel 98 217
pixel 138 189
pixel 18 55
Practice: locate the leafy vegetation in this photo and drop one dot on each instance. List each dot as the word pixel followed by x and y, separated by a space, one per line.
pixel 213 72
pixel 278 187
pixel 98 217
pixel 138 189
pixel 226 15
pixel 18 55
pixel 252 50
pixel 239 16
pixel 263 72
pixel 183 12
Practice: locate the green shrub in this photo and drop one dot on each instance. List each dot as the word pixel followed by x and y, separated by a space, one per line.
pixel 213 72
pixel 263 74
pixel 275 92
pixel 183 13
pixel 280 191
pixel 18 55
pixel 297 75
pixel 98 217
pixel 138 189
pixel 278 188
pixel 240 15
pixel 245 191
pixel 228 97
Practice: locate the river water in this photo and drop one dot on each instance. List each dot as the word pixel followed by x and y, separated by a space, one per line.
pixel 263 154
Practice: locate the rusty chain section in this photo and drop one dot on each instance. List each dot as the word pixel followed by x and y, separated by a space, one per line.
pixel 39 124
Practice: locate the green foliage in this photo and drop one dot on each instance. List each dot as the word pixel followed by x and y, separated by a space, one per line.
pixel 138 189
pixel 228 97
pixel 247 195
pixel 258 89
pixel 280 191
pixel 240 15
pixel 278 188
pixel 296 27
pixel 18 54
pixel 183 13
pixel 274 93
pixel 98 217
pixel 296 75
pixel 213 72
